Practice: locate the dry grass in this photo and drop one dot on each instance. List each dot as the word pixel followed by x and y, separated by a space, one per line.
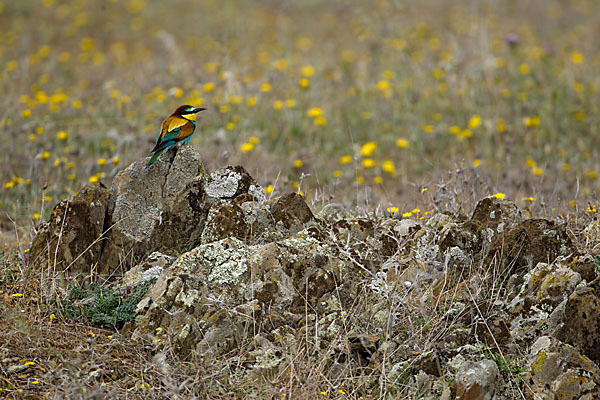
pixel 424 105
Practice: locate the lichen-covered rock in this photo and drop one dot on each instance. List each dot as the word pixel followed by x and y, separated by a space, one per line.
pixel 256 222
pixel 558 371
pixel 333 213
pixel 211 293
pixel 537 308
pixel 581 322
pixel 71 241
pixel 230 182
pixel 495 214
pixel 491 217
pixel 151 268
pixel 530 242
pixel 545 287
pixel 476 380
pixel 292 211
pixel 585 265
pixel 162 207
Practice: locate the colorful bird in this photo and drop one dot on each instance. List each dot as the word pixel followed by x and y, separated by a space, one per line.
pixel 177 128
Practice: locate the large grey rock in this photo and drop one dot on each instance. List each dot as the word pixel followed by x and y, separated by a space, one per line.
pixel 162 207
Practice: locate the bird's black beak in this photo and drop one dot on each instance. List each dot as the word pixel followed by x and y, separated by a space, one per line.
pixel 195 110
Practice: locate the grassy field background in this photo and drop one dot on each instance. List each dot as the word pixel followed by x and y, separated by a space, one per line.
pixel 398 106
pixel 364 103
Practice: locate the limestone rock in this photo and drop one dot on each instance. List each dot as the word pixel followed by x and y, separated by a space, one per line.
pixel 71 240
pixel 545 287
pixel 476 380
pixel 292 211
pixel 585 265
pixel 496 214
pixel 152 267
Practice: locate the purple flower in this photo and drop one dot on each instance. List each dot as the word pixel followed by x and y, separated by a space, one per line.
pixel 512 39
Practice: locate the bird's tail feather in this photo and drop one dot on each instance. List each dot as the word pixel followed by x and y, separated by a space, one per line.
pixel 154 158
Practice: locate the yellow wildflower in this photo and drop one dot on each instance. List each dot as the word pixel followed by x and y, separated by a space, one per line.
pixel 368 149
pixel 383 85
pixel 307 71
pixel 577 58
pixel 304 83
pixel 389 167
pixel 247 147
pixel 314 112
pixel 265 87
pixel 345 159
pixel 402 143
pixel 475 121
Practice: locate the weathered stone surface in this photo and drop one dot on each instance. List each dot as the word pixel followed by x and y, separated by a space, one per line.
pixel 230 182
pixel 530 242
pixel 198 296
pixel 292 211
pixel 495 214
pixel 71 240
pixel 256 222
pixel 491 217
pixel 150 268
pixel 585 265
pixel 333 213
pixel 545 287
pixel 161 207
pixel 558 371
pixel 581 322
pixel 476 380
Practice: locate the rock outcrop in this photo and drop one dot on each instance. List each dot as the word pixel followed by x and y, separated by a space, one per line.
pixel 232 270
pixel 71 241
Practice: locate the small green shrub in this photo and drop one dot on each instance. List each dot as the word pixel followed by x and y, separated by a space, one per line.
pixel 102 305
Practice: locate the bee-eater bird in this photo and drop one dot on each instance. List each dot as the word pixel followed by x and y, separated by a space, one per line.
pixel 177 128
